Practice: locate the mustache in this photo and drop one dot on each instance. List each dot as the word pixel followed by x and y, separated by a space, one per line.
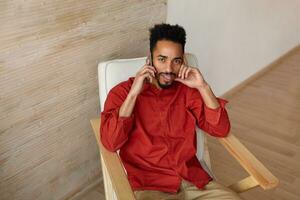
pixel 167 73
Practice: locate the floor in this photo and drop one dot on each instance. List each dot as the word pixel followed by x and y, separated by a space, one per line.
pixel 265 116
pixel 94 193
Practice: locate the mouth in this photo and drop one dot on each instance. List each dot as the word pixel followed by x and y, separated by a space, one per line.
pixel 168 77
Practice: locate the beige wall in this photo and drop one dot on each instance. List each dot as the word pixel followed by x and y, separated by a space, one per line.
pixel 49 52
pixel 234 39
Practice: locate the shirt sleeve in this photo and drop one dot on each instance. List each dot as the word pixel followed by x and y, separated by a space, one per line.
pixel 114 130
pixel 213 121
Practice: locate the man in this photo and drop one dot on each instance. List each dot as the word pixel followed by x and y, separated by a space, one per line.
pixel 151 118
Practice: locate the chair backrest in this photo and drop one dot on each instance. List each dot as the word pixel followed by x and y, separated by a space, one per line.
pixel 112 72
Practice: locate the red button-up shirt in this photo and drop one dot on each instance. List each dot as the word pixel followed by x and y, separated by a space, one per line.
pixel 158 141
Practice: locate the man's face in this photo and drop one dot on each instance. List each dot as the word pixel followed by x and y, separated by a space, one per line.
pixel 167 59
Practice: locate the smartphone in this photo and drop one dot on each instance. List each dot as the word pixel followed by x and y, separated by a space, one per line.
pixel 151 62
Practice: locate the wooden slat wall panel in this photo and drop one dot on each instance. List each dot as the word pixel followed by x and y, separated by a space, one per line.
pixel 49 51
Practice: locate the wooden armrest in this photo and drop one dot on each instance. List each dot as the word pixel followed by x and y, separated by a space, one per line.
pixel 114 167
pixel 259 173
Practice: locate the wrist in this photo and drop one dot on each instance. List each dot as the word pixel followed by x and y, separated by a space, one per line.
pixel 203 87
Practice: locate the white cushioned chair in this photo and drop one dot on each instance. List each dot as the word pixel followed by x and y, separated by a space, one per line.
pixel 116 185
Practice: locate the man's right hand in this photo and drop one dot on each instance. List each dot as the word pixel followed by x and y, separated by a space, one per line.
pixel 146 72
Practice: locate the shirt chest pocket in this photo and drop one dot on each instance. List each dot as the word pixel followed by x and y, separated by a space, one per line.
pixel 181 121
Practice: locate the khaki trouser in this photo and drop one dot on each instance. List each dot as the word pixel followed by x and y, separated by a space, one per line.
pixel 188 191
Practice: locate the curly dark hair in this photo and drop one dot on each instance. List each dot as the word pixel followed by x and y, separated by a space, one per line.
pixel 174 33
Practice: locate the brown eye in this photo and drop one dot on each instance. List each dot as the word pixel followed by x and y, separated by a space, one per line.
pixel 162 59
pixel 177 62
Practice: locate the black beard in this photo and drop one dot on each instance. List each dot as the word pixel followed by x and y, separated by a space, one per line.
pixel 164 86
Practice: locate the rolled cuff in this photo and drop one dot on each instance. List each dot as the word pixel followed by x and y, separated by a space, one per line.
pixel 125 121
pixel 114 129
pixel 212 116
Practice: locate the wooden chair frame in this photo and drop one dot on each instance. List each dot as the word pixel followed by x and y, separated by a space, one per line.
pixel 118 187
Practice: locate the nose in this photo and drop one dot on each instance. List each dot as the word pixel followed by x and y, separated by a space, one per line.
pixel 169 66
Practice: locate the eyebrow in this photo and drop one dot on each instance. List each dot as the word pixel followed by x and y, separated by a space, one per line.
pixel 167 57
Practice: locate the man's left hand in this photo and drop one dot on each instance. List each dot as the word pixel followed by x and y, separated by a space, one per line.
pixel 191 76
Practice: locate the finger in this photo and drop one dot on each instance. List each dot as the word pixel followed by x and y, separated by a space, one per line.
pixel 148 61
pixel 179 80
pixel 147 70
pixel 180 70
pixel 153 68
pixel 148 67
pixel 147 76
pixel 152 71
pixel 187 72
pixel 185 60
pixel 149 57
pixel 183 72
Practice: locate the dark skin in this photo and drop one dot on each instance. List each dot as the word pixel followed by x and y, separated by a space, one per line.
pixel 168 59
pixel 169 62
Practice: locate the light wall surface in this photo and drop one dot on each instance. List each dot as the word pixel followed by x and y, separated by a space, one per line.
pixel 234 39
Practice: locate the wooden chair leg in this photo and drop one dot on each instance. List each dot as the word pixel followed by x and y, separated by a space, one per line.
pixel 244 185
pixel 109 191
